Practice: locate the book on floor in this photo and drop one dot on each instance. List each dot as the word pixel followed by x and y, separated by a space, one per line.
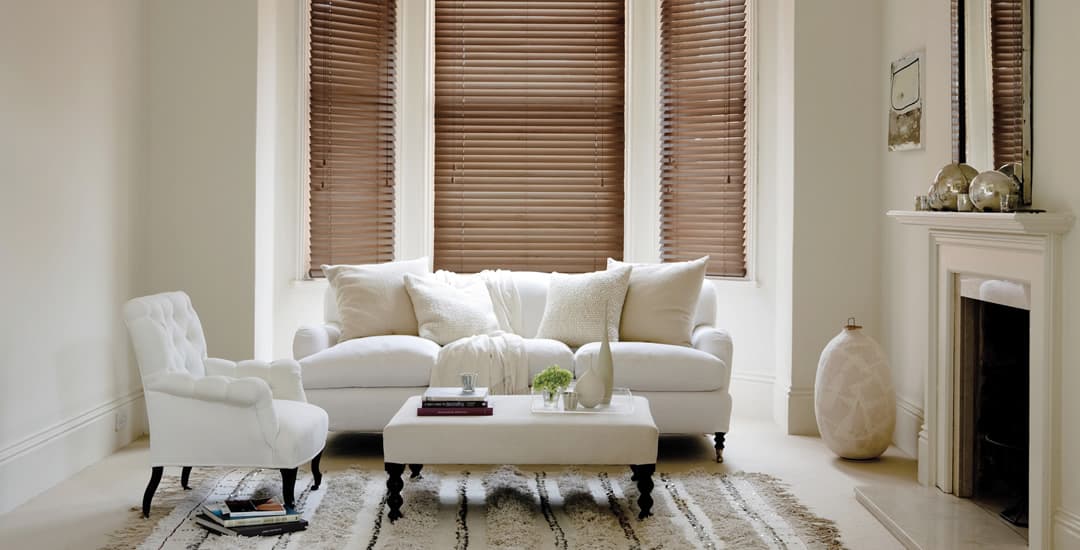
pixel 267 530
pixel 254 507
pixel 454 394
pixel 454 411
pixel 222 516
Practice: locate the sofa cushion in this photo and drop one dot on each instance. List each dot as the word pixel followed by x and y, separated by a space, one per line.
pixel 543 353
pixel 372 300
pixel 645 366
pixel 578 304
pixel 446 312
pixel 390 361
pixel 661 301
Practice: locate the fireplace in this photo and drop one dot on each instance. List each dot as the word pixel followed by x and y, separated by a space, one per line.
pixel 992 399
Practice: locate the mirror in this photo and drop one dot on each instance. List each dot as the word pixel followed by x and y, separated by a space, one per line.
pixel 993 77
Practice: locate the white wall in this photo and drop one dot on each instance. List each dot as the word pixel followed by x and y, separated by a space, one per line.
pixel 70 166
pixel 912 25
pixel 199 214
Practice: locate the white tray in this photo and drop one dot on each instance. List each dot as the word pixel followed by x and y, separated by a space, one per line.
pixel 622 402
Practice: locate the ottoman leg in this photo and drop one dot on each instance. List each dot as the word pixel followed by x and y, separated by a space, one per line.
pixel 720 446
pixel 643 475
pixel 394 485
pixel 415 469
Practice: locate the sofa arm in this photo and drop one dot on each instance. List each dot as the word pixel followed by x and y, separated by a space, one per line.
pixel 311 339
pixel 283 375
pixel 714 341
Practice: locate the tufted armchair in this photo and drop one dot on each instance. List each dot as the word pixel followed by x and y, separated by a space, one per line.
pixel 212 412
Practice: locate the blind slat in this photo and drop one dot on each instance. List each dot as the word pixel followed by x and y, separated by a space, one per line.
pixel 703 133
pixel 351 167
pixel 1007 67
pixel 528 134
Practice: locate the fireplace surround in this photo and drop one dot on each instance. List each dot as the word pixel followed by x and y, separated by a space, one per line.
pixel 1022 249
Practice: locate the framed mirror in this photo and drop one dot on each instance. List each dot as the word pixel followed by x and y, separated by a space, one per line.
pixel 992 86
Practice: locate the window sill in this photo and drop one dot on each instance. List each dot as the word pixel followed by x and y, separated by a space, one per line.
pixel 732 282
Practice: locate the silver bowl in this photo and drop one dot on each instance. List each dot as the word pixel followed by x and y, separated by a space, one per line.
pixel 988 187
pixel 950 181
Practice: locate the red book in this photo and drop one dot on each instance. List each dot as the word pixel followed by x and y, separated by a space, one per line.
pixel 454 411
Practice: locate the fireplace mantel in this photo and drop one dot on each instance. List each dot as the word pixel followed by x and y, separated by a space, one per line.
pixel 1024 248
pixel 1043 223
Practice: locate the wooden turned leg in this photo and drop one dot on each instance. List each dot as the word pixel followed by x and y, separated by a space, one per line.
pixel 185 473
pixel 643 475
pixel 415 469
pixel 151 488
pixel 394 485
pixel 288 486
pixel 315 473
pixel 720 446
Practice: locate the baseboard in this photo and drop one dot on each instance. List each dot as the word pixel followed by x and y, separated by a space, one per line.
pixel 909 420
pixel 752 394
pixel 1066 529
pixel 793 410
pixel 36 463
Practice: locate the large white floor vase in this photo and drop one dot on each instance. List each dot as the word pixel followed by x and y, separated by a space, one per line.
pixel 853 396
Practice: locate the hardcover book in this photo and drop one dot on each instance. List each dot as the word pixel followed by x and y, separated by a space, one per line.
pixel 454 411
pixel 251 530
pixel 222 517
pixel 454 394
pixel 455 404
pixel 254 507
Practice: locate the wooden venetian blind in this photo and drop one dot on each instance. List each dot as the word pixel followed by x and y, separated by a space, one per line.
pixel 703 141
pixel 528 134
pixel 1007 64
pixel 352 132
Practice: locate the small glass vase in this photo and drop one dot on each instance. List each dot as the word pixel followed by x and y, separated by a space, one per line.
pixel 551 398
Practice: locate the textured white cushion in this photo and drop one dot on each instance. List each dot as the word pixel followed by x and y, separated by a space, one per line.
pixel 372 300
pixel 391 361
pixel 574 313
pixel 545 353
pixel 645 366
pixel 661 301
pixel 448 312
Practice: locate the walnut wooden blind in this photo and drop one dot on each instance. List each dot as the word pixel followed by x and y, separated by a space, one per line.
pixel 703 140
pixel 352 132
pixel 956 82
pixel 528 134
pixel 1007 64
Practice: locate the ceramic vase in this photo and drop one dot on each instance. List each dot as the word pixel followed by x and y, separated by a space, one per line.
pixel 853 396
pixel 590 388
pixel 604 364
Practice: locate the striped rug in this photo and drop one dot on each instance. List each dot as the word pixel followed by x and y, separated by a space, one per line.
pixel 504 507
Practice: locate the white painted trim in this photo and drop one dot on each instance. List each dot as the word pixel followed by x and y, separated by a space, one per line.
pixel 302 248
pixel 414 200
pixel 1046 223
pixel 753 377
pixel 909 421
pixel 61 450
pixel 1066 529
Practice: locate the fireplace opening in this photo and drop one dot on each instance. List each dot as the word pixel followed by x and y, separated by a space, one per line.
pixel 992 408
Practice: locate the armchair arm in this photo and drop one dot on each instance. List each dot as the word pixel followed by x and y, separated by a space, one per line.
pixel 716 342
pixel 241 392
pixel 311 339
pixel 283 375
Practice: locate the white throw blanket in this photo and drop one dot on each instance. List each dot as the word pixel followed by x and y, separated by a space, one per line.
pixel 499 359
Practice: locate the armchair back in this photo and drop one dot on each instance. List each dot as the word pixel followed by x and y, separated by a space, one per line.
pixel 166 334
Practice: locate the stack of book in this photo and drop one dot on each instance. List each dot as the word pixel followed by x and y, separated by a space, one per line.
pixel 257 517
pixel 454 402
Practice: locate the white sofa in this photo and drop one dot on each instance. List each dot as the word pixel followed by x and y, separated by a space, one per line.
pixel 362 382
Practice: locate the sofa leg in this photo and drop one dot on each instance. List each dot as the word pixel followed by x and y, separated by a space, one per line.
pixel 185 474
pixel 151 488
pixel 288 486
pixel 720 446
pixel 315 472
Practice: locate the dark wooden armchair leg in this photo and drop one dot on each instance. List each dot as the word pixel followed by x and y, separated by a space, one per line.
pixel 315 473
pixel 720 446
pixel 288 486
pixel 185 474
pixel 151 488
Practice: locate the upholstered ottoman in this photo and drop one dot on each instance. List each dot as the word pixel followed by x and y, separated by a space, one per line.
pixel 516 435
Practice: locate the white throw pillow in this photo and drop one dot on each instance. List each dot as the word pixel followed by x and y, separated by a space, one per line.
pixel 661 301
pixel 372 300
pixel 448 312
pixel 574 313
